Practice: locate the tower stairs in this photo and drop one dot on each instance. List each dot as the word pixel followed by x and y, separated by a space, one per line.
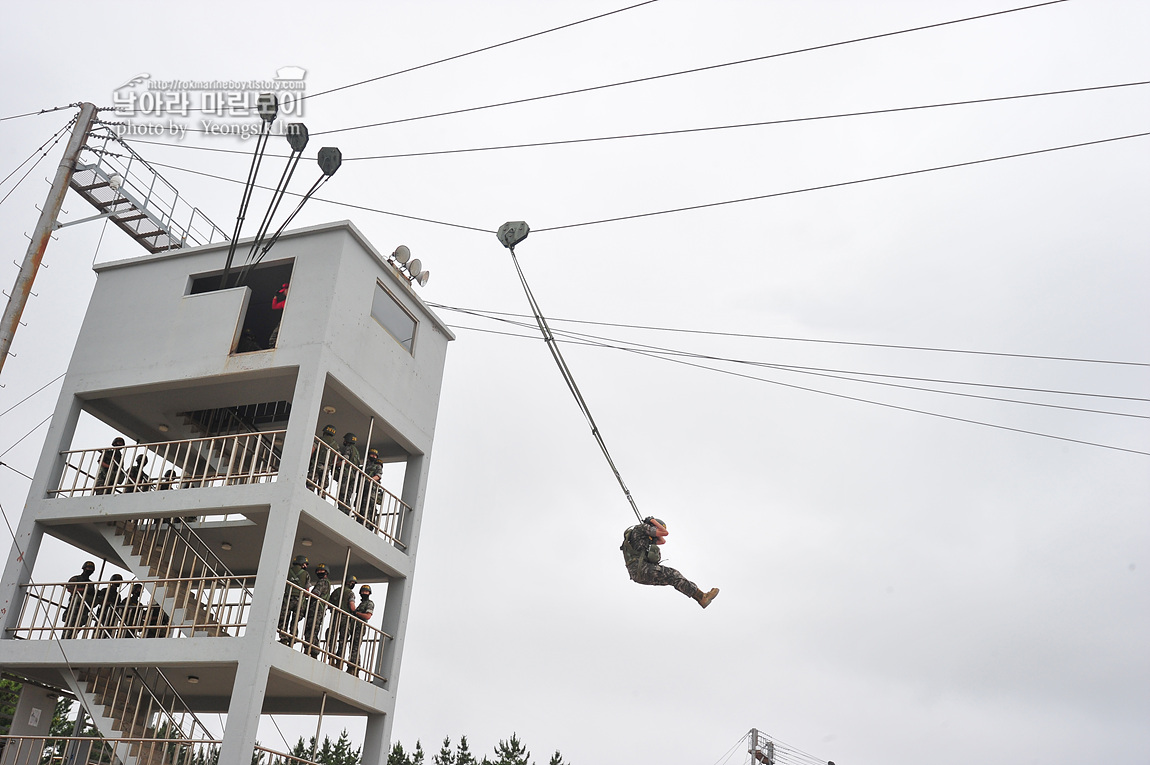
pixel 166 550
pixel 139 711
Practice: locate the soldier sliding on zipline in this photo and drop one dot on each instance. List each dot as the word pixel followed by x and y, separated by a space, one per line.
pixel 641 554
pixel 641 542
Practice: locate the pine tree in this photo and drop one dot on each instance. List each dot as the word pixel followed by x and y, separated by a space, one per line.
pixel 463 754
pixel 512 752
pixel 342 753
pixel 445 756
pixel 398 756
pixel 417 755
pixel 556 759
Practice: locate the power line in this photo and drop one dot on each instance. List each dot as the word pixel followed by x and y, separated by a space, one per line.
pixel 679 131
pixel 455 57
pixel 479 50
pixel 33 154
pixel 743 375
pixel 838 374
pixel 76 105
pixel 55 139
pixel 834 374
pixel 487 313
pixel 841 183
pixel 330 201
pixel 14 470
pixel 30 432
pixel 900 408
pixel 694 70
pixel 30 395
pixel 688 208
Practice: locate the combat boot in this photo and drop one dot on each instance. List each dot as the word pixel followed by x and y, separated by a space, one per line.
pixel 705 598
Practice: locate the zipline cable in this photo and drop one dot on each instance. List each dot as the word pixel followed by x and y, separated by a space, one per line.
pixel 756 378
pixel 569 378
pixel 489 314
pixel 593 341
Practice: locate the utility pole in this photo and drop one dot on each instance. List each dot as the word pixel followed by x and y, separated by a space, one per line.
pixel 44 227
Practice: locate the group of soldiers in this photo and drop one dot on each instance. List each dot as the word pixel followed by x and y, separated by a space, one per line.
pixel 345 631
pixel 112 474
pixel 355 493
pixel 104 613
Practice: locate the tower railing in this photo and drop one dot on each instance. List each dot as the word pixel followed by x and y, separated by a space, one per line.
pixel 85 750
pixel 213 606
pixel 357 494
pixel 326 632
pixel 184 464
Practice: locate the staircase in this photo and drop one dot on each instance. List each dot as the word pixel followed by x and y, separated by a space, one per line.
pixel 117 181
pixel 163 550
pixel 140 713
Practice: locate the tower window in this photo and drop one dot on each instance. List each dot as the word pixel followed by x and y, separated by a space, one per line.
pixel 393 317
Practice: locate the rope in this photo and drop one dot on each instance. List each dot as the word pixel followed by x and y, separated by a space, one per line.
pixel 570 380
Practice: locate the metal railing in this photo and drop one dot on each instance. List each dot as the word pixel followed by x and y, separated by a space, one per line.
pixel 265 756
pixel 356 493
pixel 141 702
pixel 143 189
pixel 204 606
pixel 328 633
pixel 188 463
pixel 83 750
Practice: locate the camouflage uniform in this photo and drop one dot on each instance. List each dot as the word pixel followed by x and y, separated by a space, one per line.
pixel 83 596
pixel 110 605
pixel 316 611
pixel 359 617
pixel 111 468
pixel 134 612
pixel 346 476
pixel 321 460
pixel 371 495
pixel 342 605
pixel 289 611
pixel 642 556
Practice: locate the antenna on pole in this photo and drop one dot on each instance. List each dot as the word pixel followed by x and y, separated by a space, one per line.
pixel 39 240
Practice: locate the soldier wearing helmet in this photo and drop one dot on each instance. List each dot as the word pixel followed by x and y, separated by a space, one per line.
pixel 111 467
pixel 371 495
pixel 82 597
pixel 316 610
pixel 347 477
pixel 108 607
pixel 323 458
pixel 642 557
pixel 290 608
pixel 343 605
pixel 360 616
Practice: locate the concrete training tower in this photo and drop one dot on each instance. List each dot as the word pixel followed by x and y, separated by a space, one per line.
pixel 222 481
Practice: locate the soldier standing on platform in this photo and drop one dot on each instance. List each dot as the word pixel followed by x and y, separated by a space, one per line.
pixel 83 594
pixel 321 460
pixel 316 610
pixel 346 476
pixel 109 607
pixel 371 495
pixel 289 611
pixel 359 617
pixel 111 467
pixel 343 604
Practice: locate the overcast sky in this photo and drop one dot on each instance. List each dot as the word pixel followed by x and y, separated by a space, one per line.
pixel 897 588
